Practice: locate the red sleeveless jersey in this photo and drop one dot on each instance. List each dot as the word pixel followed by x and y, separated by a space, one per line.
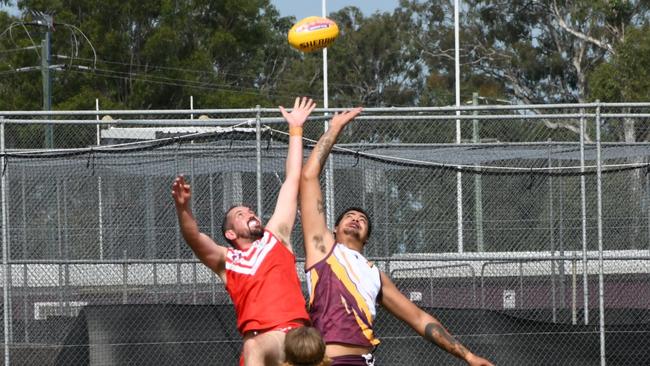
pixel 264 286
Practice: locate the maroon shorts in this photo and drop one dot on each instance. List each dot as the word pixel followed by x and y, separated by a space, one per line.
pixel 354 360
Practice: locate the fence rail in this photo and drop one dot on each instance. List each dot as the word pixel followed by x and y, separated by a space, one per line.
pixel 540 212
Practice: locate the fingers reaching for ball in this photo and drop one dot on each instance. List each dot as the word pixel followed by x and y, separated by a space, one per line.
pixel 341 119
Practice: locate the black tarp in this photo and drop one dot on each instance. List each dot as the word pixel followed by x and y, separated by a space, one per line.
pixel 206 335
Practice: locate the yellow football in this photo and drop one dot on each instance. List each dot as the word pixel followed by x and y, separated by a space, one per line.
pixel 312 34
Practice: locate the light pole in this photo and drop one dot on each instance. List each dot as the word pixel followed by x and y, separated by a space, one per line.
pixel 46 21
pixel 329 171
pixel 459 176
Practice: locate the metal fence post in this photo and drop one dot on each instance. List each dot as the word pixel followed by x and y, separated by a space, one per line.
pixel 574 294
pixel 258 160
pixel 100 215
pixel 59 240
pixel 23 196
pixel 478 184
pixel 552 238
pixel 601 294
pixel 583 198
pixel 125 279
pixel 5 248
pixel 329 185
pixel 156 288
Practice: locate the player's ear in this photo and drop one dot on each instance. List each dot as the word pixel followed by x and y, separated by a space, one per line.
pixel 230 234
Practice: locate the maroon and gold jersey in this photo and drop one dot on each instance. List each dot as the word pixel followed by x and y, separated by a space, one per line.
pixel 343 291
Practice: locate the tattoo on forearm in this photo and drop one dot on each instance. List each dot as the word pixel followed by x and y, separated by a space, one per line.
pixel 324 145
pixel 324 150
pixel 320 207
pixel 437 334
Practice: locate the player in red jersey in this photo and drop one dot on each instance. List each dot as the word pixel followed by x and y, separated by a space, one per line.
pixel 259 272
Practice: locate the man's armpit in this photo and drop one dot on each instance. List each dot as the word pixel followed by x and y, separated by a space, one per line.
pixel 318 244
pixel 284 232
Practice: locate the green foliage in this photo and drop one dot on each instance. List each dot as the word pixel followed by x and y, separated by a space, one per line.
pixel 626 77
pixel 150 54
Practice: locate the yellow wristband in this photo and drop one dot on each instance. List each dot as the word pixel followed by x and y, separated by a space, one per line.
pixel 295 131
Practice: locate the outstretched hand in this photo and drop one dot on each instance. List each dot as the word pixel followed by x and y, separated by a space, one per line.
pixel 475 360
pixel 302 108
pixel 181 191
pixel 341 119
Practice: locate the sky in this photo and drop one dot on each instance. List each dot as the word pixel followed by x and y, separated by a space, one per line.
pixel 305 8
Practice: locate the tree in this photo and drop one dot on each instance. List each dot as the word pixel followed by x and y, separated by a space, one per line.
pixel 155 54
pixel 533 52
pixel 626 78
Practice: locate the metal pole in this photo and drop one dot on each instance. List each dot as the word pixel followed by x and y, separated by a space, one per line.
pixel 459 176
pixel 552 239
pixel 583 198
pixel 329 170
pixel 574 295
pixel 521 284
pixel 601 290
pixel 60 247
pixel 191 106
pixel 385 221
pixel 150 217
pixel 125 279
pixel 325 81
pixel 98 138
pixel 553 291
pixel 193 204
pixel 478 185
pixel 329 189
pixel 155 282
pixel 258 152
pixel 66 247
pixel 211 192
pixel 23 196
pixel 560 236
pixel 647 198
pixel 194 280
pixel 100 214
pixel 47 21
pixel 5 248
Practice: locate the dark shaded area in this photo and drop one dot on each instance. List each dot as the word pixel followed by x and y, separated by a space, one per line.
pixel 152 335
pixel 206 335
pixel 520 338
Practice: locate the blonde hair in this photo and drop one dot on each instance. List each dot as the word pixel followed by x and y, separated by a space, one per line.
pixel 304 346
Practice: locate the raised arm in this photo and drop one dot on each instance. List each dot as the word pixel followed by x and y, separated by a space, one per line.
pixel 205 249
pixel 424 324
pixel 284 215
pixel 317 237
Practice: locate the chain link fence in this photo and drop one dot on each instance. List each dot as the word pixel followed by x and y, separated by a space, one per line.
pixel 525 229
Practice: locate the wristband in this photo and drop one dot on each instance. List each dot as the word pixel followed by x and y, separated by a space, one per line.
pixel 295 131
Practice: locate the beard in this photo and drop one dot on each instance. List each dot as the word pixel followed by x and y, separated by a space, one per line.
pixel 255 229
pixel 355 233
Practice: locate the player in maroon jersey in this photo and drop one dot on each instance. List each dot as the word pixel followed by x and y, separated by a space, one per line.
pixel 344 287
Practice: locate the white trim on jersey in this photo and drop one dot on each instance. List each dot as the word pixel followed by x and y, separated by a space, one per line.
pixel 364 276
pixel 249 262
